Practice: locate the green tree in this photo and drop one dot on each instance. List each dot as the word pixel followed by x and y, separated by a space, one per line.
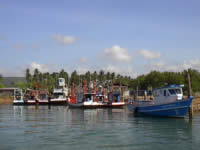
pixel 108 76
pixel 101 76
pixel 28 75
pixel 94 76
pixel 1 85
pixel 88 76
pixel 1 78
pixel 74 78
pixel 36 75
pixel 21 85
pixel 113 77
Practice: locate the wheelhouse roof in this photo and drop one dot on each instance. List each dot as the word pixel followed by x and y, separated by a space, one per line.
pixel 171 86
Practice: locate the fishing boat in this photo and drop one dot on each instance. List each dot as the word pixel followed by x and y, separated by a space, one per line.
pixel 60 94
pixel 167 101
pixel 43 97
pixel 96 97
pixel 18 97
pixel 30 96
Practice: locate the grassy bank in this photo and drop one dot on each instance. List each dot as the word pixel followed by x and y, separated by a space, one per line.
pixel 6 100
pixel 196 104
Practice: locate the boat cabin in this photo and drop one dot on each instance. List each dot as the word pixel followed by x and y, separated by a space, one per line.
pixel 89 96
pixel 169 93
pixel 114 97
pixel 18 95
pixel 100 97
pixel 58 94
pixel 43 96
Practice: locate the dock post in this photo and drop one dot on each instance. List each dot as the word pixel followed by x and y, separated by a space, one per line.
pixel 189 94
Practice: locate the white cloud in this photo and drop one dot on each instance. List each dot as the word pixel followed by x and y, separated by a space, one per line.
pixel 42 67
pixel 194 63
pixel 126 71
pixel 64 40
pixel 116 53
pixel 19 46
pixel 149 54
pixel 173 66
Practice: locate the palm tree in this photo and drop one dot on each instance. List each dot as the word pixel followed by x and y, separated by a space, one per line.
pixel 113 77
pixel 36 75
pixel 28 75
pixel 101 76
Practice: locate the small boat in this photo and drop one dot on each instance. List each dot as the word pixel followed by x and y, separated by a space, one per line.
pixel 30 97
pixel 43 97
pixel 115 100
pixel 168 102
pixel 60 94
pixel 59 97
pixel 18 97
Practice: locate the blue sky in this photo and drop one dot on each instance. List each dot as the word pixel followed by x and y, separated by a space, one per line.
pixel 129 37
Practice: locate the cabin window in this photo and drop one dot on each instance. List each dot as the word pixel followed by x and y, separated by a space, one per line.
pixel 172 92
pixel 178 91
pixel 165 93
pixel 88 97
pixel 57 95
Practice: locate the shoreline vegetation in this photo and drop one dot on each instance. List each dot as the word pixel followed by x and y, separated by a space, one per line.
pixel 154 79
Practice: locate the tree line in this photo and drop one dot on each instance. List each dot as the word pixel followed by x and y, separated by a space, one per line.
pixel 49 80
pixel 154 79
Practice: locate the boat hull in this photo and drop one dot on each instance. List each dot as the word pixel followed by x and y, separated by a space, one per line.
pixel 18 102
pixel 174 109
pixel 78 105
pixel 131 107
pixel 57 102
pixel 43 102
pixel 91 105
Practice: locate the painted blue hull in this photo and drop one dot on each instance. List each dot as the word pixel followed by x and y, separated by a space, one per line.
pixel 174 109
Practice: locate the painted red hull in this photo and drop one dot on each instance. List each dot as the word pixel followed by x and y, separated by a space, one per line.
pixel 58 102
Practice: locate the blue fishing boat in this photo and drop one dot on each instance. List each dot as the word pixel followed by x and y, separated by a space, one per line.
pixel 166 102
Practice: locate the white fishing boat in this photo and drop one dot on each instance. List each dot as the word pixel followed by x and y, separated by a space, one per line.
pixel 18 97
pixel 60 94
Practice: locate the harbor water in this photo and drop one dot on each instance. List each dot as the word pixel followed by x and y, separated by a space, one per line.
pixel 62 128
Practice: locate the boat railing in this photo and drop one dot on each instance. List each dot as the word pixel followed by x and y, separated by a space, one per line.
pixel 142 95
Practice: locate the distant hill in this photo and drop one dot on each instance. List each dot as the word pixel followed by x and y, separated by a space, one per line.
pixel 11 81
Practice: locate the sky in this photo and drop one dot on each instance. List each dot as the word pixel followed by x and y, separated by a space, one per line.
pixel 130 37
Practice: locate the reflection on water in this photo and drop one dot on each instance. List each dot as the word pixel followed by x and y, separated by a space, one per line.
pixel 58 127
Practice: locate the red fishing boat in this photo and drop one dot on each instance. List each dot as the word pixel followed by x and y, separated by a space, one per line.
pixel 43 97
pixel 30 96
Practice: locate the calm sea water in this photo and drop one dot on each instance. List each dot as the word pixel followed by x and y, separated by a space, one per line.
pixel 61 128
